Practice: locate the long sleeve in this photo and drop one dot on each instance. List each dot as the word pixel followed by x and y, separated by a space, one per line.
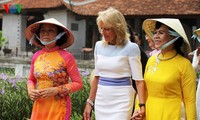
pixel 31 83
pixel 72 70
pixel 135 63
pixel 188 83
pixel 74 75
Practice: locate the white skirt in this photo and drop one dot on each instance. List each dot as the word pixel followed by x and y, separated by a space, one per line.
pixel 114 102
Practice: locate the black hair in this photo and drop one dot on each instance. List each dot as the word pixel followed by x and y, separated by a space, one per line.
pixel 144 57
pixel 63 39
pixel 158 24
pixel 178 43
pixel 132 38
pixel 60 41
pixel 38 34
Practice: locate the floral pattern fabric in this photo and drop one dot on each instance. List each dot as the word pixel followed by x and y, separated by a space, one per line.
pixel 54 68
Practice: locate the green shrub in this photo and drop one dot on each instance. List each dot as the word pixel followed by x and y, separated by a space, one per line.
pixel 14 104
pixel 2 39
pixel 7 71
pixel 79 98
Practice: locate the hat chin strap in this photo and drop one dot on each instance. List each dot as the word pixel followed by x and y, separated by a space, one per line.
pixel 46 43
pixel 172 33
pixel 168 43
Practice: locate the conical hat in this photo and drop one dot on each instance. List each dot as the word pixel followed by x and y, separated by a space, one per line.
pixel 150 24
pixel 33 28
pixel 197 32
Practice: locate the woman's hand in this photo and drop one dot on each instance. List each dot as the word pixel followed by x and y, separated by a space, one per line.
pixel 48 92
pixel 142 111
pixel 33 94
pixel 138 115
pixel 87 112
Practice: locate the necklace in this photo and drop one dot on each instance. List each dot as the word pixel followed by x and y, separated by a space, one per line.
pixel 164 59
pixel 158 59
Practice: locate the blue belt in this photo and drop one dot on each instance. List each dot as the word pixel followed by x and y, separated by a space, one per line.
pixel 125 81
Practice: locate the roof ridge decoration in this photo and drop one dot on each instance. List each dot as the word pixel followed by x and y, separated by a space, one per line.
pixel 78 3
pixel 4 1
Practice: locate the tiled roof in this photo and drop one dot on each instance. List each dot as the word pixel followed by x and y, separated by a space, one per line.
pixel 28 4
pixel 141 7
pixel 127 7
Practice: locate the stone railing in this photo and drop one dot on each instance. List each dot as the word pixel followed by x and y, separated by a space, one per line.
pixel 84 54
pixel 22 65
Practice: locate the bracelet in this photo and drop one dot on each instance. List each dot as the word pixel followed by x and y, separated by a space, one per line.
pixel 90 102
pixel 141 104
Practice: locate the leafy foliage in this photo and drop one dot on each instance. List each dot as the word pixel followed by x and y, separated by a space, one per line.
pixel 2 39
pixel 79 98
pixel 14 104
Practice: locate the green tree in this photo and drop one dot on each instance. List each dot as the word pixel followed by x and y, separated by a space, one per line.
pixel 2 40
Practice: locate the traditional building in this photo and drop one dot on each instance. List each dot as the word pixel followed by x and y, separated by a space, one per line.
pixel 80 17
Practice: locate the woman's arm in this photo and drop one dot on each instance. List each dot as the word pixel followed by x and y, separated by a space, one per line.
pixel 91 98
pixel 31 83
pixel 141 95
pixel 72 71
pixel 188 84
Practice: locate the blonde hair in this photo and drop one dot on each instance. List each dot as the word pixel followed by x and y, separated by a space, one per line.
pixel 112 18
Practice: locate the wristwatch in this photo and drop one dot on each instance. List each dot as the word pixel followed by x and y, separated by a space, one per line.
pixel 90 102
pixel 141 104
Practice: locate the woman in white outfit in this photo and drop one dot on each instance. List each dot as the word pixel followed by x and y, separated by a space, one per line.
pixel 196 65
pixel 116 60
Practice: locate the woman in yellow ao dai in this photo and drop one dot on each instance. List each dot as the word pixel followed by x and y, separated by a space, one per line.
pixel 170 78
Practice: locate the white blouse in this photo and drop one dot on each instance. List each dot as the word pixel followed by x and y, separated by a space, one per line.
pixel 116 62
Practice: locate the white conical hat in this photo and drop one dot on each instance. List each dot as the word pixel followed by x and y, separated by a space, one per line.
pixel 175 24
pixel 196 35
pixel 33 28
pixel 197 32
